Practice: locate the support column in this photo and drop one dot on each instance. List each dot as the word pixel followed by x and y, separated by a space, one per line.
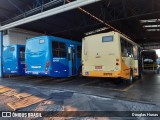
pixel 1 53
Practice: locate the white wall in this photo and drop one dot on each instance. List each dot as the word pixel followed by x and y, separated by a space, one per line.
pixel 5 40
pixel 18 36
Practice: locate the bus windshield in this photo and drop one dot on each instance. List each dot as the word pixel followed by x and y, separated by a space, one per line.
pixel 36 45
pixel 9 52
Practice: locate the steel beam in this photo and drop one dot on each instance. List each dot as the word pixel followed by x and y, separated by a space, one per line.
pixel 54 11
pixel 32 11
pixel 17 7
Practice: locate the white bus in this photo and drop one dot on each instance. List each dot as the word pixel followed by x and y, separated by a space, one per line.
pixel 110 55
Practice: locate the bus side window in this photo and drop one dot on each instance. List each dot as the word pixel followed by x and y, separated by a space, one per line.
pixel 130 50
pixel 58 49
pixel 22 54
pixel 124 48
pixel 135 52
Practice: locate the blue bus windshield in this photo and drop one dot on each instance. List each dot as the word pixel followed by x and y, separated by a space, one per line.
pixel 9 52
pixel 35 45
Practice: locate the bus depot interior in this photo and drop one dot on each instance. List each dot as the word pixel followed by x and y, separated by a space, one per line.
pixel 80 55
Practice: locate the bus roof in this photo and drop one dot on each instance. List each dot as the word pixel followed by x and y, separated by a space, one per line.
pixel 112 32
pixel 56 39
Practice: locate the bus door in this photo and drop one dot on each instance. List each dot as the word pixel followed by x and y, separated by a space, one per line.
pixel 22 58
pixel 72 60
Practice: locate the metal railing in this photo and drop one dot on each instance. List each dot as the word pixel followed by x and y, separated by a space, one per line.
pixel 150 66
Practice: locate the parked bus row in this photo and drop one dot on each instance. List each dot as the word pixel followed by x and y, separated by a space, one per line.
pixel 43 56
pixel 109 55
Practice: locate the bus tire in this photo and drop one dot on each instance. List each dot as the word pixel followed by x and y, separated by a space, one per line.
pixel 124 81
pixel 130 80
pixel 140 76
pixel 80 73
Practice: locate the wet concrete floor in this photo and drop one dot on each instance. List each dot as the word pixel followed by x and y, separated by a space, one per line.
pixel 87 94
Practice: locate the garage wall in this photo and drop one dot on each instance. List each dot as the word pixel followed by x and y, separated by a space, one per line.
pixel 17 36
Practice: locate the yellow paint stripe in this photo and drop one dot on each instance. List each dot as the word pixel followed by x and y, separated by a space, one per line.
pixel 22 95
pixel 126 89
pixel 85 84
pixel 5 89
pixel 25 102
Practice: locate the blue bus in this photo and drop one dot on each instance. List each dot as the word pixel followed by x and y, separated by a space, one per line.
pixel 52 56
pixel 13 59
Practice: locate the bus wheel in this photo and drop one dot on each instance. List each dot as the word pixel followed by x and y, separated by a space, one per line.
pixel 130 81
pixel 124 81
pixel 80 73
pixel 140 76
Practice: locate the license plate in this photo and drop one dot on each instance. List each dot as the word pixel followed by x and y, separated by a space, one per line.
pixel 98 67
pixel 36 73
pixel 108 74
pixel 36 66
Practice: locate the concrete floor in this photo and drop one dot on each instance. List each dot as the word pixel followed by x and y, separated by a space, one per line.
pixel 88 94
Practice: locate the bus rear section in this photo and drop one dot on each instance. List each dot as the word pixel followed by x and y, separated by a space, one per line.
pixel 37 58
pixel 101 55
pixel 13 59
pixel 66 56
pixel 52 56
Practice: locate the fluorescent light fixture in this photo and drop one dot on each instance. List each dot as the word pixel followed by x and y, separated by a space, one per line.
pixel 151 26
pixel 153 30
pixel 150 20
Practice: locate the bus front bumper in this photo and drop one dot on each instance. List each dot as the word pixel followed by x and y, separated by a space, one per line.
pixel 10 72
pixel 115 74
pixel 44 73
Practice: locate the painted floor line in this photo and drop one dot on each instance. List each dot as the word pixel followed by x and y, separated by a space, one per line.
pixel 126 89
pixel 85 84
